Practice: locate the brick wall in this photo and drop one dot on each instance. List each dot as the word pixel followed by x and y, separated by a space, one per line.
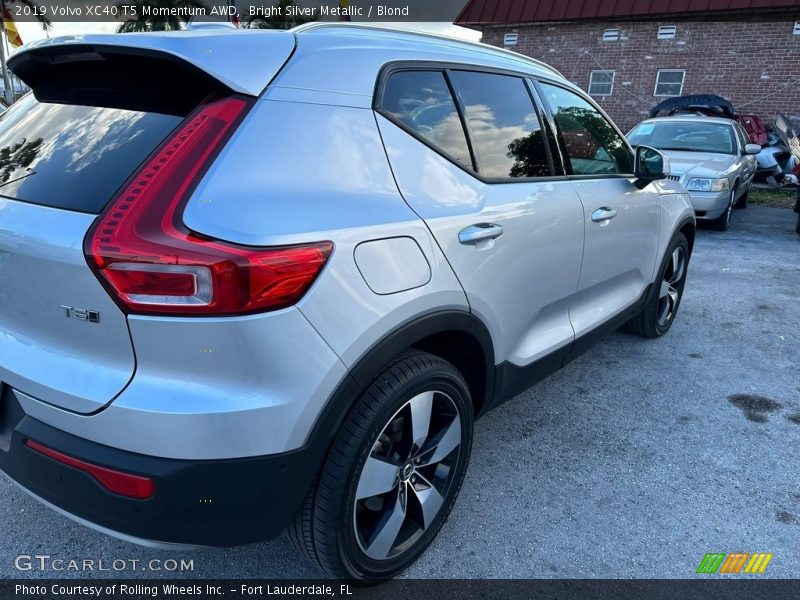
pixel 739 60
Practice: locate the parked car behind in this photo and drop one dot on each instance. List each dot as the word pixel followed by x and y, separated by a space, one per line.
pixel 244 295
pixel 710 156
pixel 755 129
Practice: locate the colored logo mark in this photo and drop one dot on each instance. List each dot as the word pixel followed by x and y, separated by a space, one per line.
pixel 734 562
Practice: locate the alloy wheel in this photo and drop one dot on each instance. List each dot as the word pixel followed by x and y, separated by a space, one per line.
pixel 407 475
pixel 671 287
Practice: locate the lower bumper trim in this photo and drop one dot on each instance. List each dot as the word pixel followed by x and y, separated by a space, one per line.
pixel 196 503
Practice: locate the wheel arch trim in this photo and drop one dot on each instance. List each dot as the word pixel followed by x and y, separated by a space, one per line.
pixel 368 366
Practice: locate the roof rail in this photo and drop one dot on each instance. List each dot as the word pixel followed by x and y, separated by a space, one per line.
pixel 485 47
pixel 198 25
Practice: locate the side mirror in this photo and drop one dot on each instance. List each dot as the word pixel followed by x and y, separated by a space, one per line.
pixel 650 164
pixel 752 149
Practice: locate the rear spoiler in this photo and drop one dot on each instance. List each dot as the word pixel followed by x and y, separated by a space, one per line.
pixel 225 55
pixel 705 103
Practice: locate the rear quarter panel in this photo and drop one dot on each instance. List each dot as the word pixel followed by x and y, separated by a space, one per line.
pixel 300 171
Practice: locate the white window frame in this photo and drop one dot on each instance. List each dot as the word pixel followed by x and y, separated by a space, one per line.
pixel 611 35
pixel 667 32
pixel 606 72
pixel 796 30
pixel 510 39
pixel 658 75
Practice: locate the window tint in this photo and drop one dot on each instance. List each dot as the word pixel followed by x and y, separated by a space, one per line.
pixel 744 139
pixel 74 157
pixel 592 144
pixel 506 134
pixel 422 101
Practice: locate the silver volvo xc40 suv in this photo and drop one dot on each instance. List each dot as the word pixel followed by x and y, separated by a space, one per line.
pixel 252 280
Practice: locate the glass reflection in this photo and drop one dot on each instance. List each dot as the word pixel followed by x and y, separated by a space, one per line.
pixel 505 130
pixel 72 156
pixel 592 144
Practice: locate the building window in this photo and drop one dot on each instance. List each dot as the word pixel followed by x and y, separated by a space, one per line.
pixel 796 28
pixel 601 83
pixel 667 32
pixel 510 39
pixel 611 35
pixel 669 82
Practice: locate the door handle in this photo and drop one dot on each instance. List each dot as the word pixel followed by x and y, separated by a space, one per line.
pixel 480 232
pixel 603 214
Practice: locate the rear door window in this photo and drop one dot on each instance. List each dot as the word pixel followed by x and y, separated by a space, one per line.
pixel 742 135
pixel 421 101
pixel 72 156
pixel 506 134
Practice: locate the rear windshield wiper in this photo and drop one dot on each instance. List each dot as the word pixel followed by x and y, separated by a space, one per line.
pixel 17 179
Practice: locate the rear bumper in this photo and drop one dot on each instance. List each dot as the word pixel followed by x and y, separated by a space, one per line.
pixel 198 503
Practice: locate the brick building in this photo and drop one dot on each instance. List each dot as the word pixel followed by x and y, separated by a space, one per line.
pixel 631 54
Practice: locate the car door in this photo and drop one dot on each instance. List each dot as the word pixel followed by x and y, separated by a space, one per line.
pixel 747 161
pixel 622 217
pixel 470 156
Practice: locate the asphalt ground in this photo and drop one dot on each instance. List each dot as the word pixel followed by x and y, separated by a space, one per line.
pixel 634 461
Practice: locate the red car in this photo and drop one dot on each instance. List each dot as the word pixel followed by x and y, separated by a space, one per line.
pixel 755 128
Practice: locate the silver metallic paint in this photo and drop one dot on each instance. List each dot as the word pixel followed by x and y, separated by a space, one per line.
pixel 522 283
pixel 231 387
pixel 619 255
pixel 213 388
pixel 75 364
pixel 739 169
pixel 392 265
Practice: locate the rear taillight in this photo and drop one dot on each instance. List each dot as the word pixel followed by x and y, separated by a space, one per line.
pixel 117 482
pixel 151 263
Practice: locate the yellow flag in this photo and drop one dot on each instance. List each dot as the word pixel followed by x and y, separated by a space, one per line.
pixel 11 29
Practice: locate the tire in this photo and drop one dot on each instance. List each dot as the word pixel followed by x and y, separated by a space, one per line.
pixel 377 505
pixel 742 202
pixel 657 316
pixel 722 222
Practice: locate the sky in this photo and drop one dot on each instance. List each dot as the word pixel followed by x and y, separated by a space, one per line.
pixel 31 31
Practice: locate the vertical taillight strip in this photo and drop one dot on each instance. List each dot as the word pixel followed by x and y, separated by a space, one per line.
pixel 147 259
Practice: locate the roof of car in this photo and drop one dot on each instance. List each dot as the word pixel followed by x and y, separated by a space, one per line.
pixel 383 33
pixel 340 57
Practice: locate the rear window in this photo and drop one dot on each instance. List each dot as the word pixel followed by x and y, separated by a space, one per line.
pixel 73 156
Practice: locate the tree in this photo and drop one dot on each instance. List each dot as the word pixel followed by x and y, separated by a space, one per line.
pixel 18 156
pixel 159 21
pixel 279 21
pixel 526 152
